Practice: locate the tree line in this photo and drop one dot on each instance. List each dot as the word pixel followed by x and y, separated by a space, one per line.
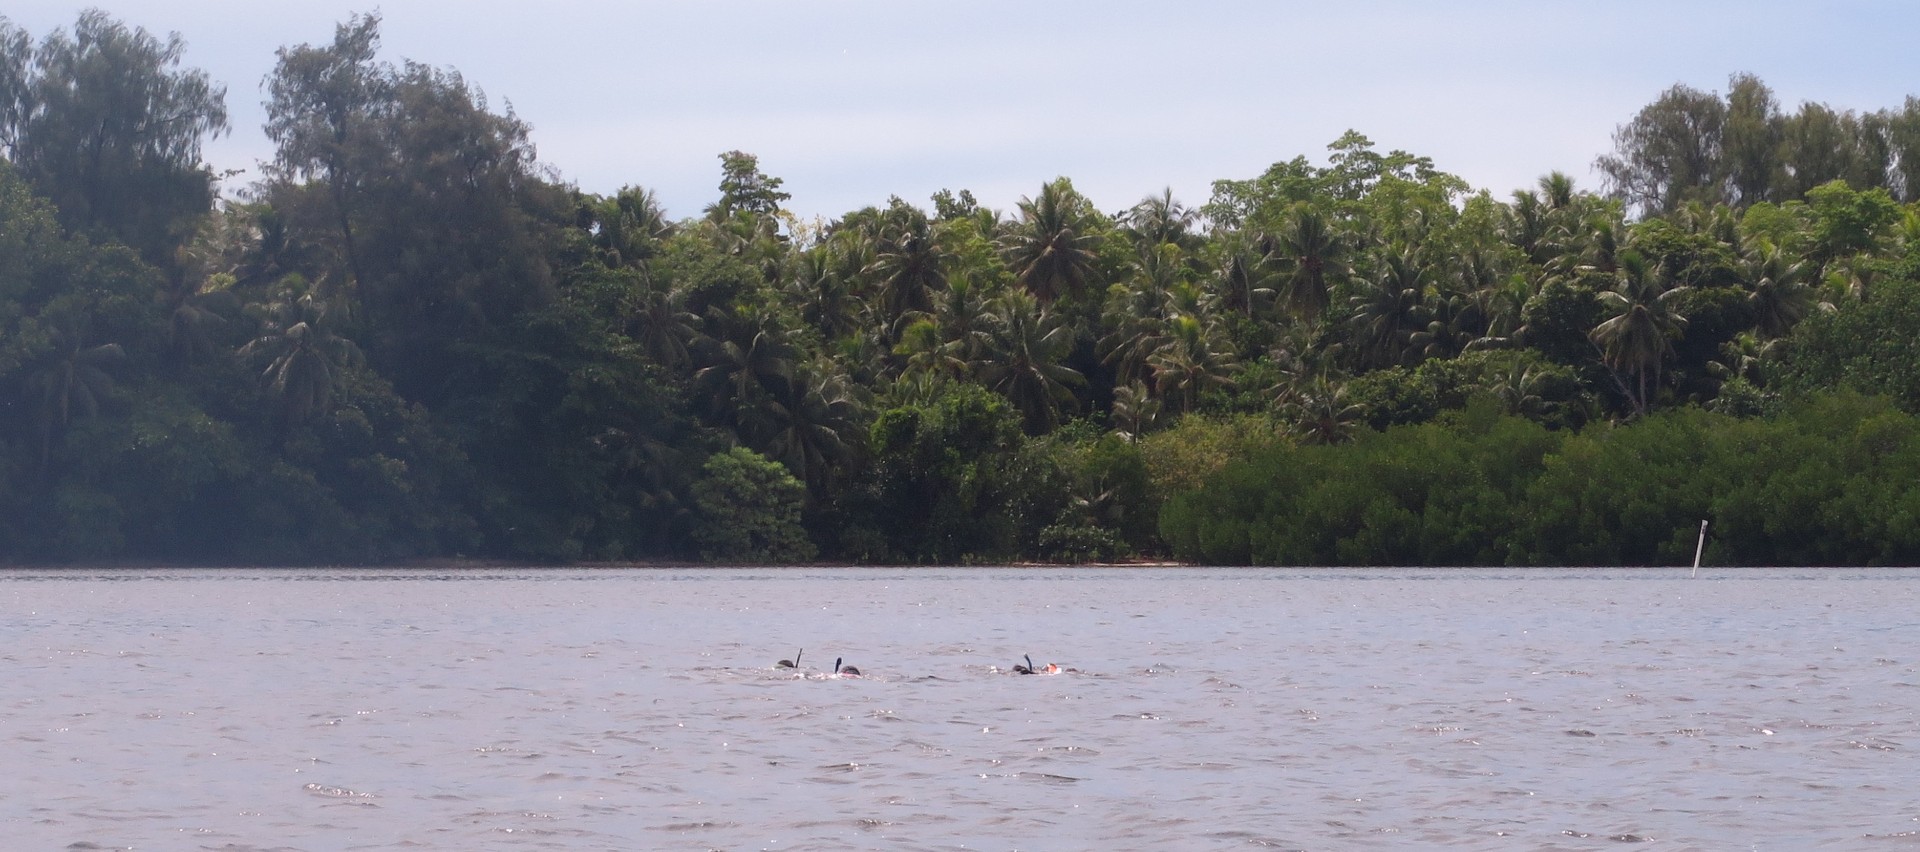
pixel 409 338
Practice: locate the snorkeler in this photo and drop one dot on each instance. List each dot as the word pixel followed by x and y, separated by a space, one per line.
pixel 1030 668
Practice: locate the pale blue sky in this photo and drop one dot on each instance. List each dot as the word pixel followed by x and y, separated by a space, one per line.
pixel 850 101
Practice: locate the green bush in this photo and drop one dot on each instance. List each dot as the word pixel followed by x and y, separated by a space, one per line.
pixel 749 510
pixel 1832 481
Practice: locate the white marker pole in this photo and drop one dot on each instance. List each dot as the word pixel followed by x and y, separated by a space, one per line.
pixel 1699 548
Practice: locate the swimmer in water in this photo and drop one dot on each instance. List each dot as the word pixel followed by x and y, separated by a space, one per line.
pixel 847 671
pixel 791 664
pixel 1030 668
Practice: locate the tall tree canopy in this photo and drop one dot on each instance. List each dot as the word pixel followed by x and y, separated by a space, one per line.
pixel 106 123
pixel 409 338
pixel 435 206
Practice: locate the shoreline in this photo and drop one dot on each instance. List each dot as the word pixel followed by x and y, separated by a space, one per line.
pixel 454 563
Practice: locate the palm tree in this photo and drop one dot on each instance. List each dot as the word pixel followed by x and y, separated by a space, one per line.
pixel 1522 385
pixel 75 377
pixel 1161 267
pixel 1244 279
pixel 822 288
pixel 746 360
pixel 1777 290
pixel 1741 358
pixel 1448 331
pixel 1317 411
pixel 1526 225
pixel 1187 365
pixel 1494 300
pixel 629 227
pixel 199 294
pixel 659 321
pixel 1158 220
pixel 1387 312
pixel 1022 363
pixel 1049 250
pixel 1133 338
pixel 965 319
pixel 816 424
pixel 1585 239
pixel 1135 411
pixel 194 311
pixel 1311 258
pixel 1641 326
pixel 926 352
pixel 907 266
pixel 1556 190
pixel 303 357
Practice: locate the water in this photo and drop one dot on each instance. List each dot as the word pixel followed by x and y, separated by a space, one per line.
pixel 1202 709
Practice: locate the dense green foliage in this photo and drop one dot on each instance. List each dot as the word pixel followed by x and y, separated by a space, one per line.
pixel 410 339
pixel 749 510
pixel 1834 481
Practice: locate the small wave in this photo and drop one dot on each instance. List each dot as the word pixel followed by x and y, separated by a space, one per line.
pixel 695 826
pixel 1246 838
pixel 338 792
pixel 1049 778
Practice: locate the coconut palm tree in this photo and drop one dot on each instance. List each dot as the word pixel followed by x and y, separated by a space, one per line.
pixel 303 357
pixel 629 226
pixel 1526 387
pixel 1311 257
pixel 1556 191
pixel 1318 411
pixel 822 287
pixel 1387 311
pixel 908 269
pixel 1494 299
pixel 659 321
pixel 1244 279
pixel 816 423
pixel 1133 338
pixel 73 377
pixel 1187 365
pixel 196 308
pixel 1526 225
pixel 198 295
pixel 746 359
pixel 1637 337
pixel 1049 249
pixel 965 319
pixel 926 352
pixel 1159 219
pixel 1778 290
pixel 1025 348
pixel 1135 411
pixel 1741 358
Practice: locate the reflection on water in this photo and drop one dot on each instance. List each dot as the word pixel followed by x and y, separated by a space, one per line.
pixel 628 709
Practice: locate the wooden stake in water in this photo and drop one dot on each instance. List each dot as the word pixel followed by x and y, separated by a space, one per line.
pixel 1699 548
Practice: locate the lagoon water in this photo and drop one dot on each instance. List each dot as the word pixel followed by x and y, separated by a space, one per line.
pixel 1201 709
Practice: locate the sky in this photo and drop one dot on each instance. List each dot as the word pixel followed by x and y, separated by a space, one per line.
pixel 850 102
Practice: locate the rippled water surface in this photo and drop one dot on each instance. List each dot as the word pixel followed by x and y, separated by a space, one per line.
pixel 1198 709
